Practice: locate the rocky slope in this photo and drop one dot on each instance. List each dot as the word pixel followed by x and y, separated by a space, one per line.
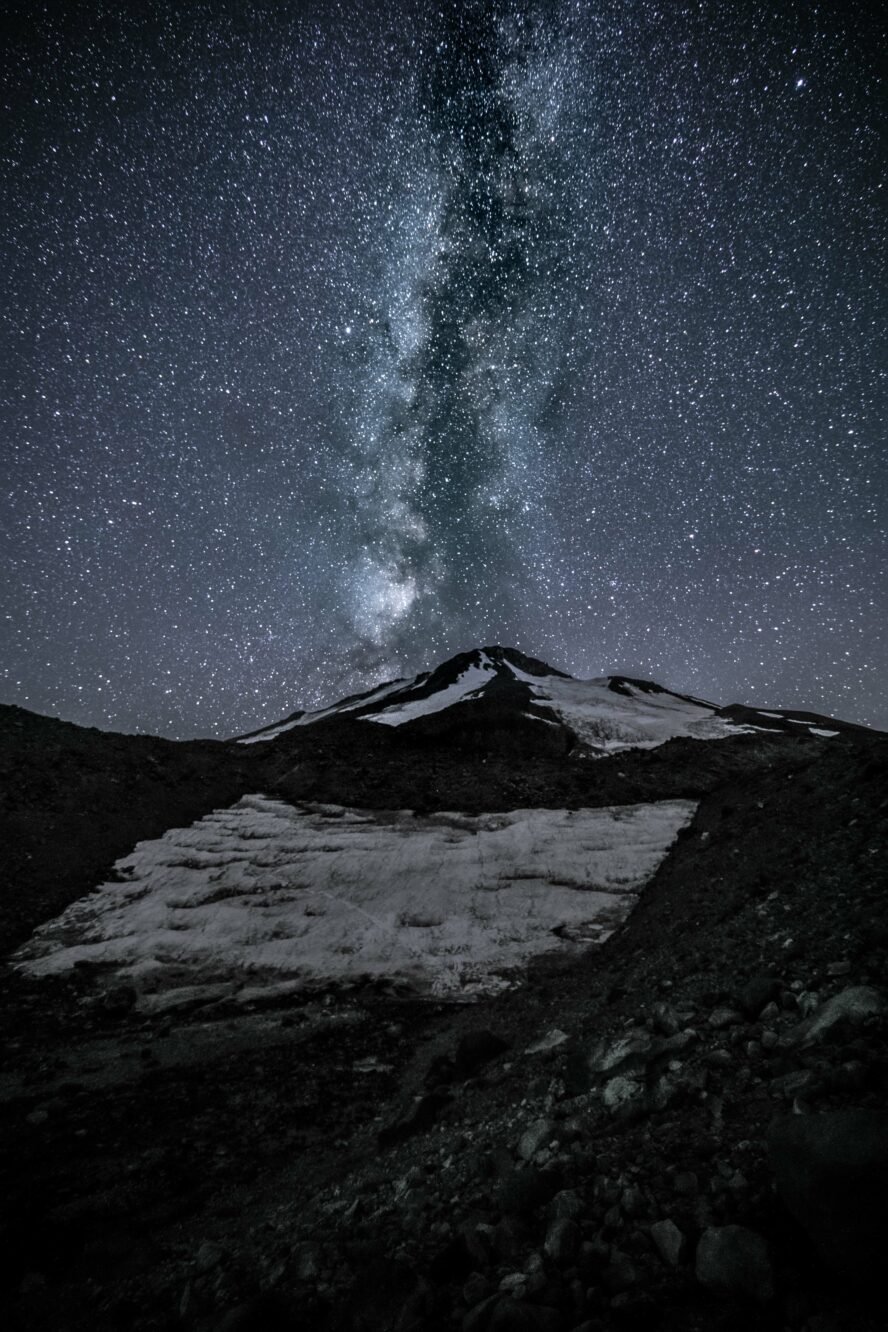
pixel 682 1128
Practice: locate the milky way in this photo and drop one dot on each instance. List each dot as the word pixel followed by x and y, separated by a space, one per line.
pixel 339 338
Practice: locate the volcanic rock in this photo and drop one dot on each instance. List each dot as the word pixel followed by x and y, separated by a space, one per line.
pixel 734 1260
pixel 832 1174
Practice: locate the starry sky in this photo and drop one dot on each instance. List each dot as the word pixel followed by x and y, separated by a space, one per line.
pixel 338 337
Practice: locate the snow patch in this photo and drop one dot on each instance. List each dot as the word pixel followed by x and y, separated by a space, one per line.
pixel 469 683
pixel 817 730
pixel 266 896
pixel 636 719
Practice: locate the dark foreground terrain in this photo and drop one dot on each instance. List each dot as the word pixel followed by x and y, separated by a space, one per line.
pixel 682 1129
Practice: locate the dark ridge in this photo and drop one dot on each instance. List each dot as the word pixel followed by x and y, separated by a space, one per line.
pixel 530 665
pixel 784 718
pixel 272 726
pixel 73 799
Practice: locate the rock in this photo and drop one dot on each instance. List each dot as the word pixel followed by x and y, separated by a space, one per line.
pixel 571 1130
pixel 757 993
pixel 264 1314
pixel 851 1005
pixel 734 1260
pixel 620 1093
pixel 549 1041
pixel 477 1048
pixel 796 1083
pixel 524 1190
pixel 629 1053
pixel 386 1295
pixel 562 1240
pixel 669 1241
pixel 566 1204
pixel 627 1058
pixel 476 1289
pixel 832 1175
pixel 538 1135
pixel 478 1240
pixel 620 1273
pixel 686 1183
pixel 512 1315
pixel 632 1201
pixel 666 1020
pixel 720 1018
pixel 478 1317
pixel 719 1058
pixel 306 1262
pixel 635 1310
pixel 209 1256
pixel 508 1238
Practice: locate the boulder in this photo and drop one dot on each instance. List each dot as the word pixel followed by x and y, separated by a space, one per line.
pixel 669 1241
pixel 538 1135
pixel 852 1005
pixel 567 1203
pixel 757 993
pixel 832 1175
pixel 550 1040
pixel 734 1261
pixel 562 1240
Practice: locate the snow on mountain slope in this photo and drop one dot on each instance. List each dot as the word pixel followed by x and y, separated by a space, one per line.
pixel 262 896
pixel 609 714
pixel 614 713
pixel 468 684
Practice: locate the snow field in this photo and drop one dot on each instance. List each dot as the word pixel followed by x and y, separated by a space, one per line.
pixel 265 896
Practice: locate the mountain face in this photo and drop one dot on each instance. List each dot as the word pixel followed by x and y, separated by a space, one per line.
pixel 492 998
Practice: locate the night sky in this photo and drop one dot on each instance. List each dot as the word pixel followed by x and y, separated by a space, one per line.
pixel 339 337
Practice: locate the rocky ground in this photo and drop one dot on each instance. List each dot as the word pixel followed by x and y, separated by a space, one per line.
pixel 682 1129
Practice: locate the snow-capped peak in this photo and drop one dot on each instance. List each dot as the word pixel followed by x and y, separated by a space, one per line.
pixel 605 714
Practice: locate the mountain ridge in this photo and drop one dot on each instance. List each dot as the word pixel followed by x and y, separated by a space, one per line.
pixel 504 675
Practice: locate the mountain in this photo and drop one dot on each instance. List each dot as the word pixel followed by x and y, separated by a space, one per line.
pixel 606 715
pixel 488 999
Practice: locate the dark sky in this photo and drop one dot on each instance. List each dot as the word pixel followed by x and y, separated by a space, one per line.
pixel 337 338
